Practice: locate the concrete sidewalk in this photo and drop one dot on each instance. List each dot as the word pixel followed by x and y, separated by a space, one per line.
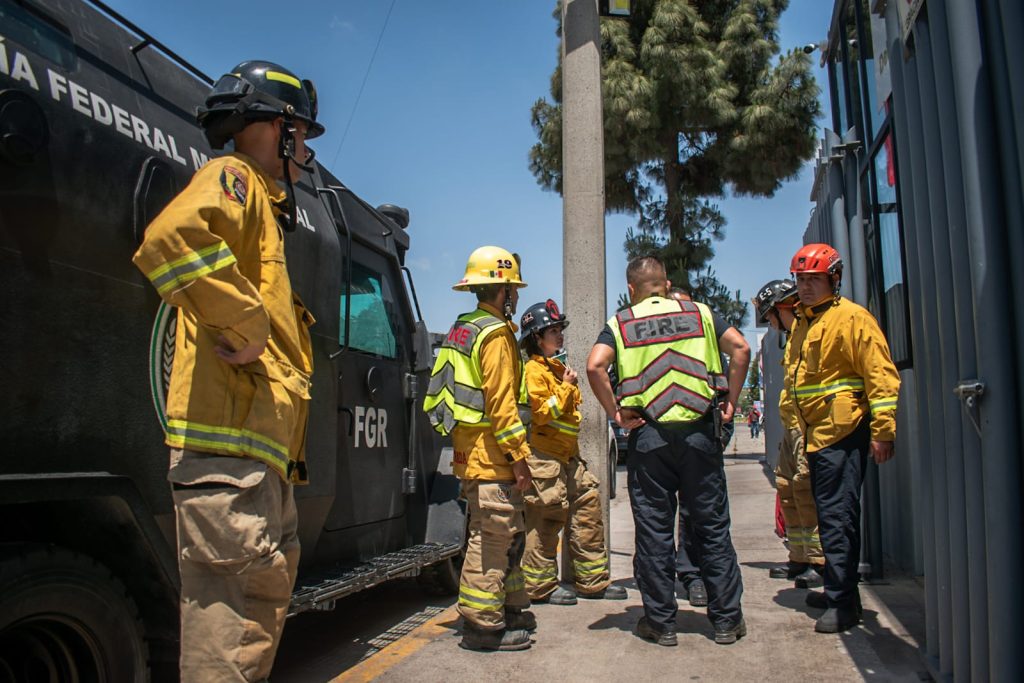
pixel 593 641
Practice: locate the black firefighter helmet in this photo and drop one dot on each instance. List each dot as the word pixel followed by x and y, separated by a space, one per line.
pixel 540 317
pixel 772 294
pixel 256 91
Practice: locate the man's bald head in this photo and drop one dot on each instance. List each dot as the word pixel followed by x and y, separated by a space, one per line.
pixel 646 277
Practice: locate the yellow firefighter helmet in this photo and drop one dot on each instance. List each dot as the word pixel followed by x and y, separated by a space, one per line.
pixel 490 266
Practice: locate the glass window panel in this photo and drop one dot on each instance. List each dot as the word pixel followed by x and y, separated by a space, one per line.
pixel 875 113
pixel 843 118
pixel 852 67
pixel 29 27
pixel 896 328
pixel 889 242
pixel 370 325
pixel 885 175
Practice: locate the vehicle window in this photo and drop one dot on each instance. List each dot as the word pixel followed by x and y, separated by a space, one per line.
pixel 370 324
pixel 27 26
pixel 155 189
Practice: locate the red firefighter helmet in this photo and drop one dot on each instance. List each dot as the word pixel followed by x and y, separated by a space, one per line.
pixel 816 258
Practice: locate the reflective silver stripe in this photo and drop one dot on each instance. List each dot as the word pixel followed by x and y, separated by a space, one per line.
pixel 677 395
pixel 845 384
pixel 463 395
pixel 192 266
pixel 667 362
pixel 486 321
pixel 481 600
pixel 445 377
pixel 880 404
pixel 720 382
pixel 240 441
pixel 553 406
pixel 469 397
pixel 510 433
pixel 591 568
pixel 538 573
pixel 565 427
pixel 442 416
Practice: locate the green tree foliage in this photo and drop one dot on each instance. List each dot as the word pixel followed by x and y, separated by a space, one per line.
pixel 696 101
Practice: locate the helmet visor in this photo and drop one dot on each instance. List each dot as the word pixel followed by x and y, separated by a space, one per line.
pixel 229 87
pixel 310 90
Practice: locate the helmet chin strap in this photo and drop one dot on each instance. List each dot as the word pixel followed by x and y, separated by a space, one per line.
pixel 286 151
pixel 508 302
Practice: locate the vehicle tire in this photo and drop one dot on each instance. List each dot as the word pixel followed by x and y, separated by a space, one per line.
pixel 442 578
pixel 613 461
pixel 64 617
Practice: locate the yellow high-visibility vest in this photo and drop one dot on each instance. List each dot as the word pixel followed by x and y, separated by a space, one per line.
pixel 667 359
pixel 455 393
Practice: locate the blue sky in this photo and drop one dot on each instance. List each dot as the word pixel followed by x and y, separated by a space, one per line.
pixel 442 126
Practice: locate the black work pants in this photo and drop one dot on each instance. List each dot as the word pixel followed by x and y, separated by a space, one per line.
pixel 686 551
pixel 667 465
pixel 837 472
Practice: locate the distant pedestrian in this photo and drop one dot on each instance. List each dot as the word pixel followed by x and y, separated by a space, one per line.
pixel 754 422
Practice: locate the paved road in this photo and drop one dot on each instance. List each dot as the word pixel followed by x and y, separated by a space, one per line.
pixel 393 633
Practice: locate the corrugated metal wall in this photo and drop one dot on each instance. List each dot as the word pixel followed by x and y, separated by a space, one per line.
pixel 949 507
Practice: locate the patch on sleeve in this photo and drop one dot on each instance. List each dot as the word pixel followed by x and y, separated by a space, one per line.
pixel 233 182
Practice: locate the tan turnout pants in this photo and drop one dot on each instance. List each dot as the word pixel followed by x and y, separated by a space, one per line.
pixel 238 553
pixel 793 480
pixel 492 579
pixel 563 491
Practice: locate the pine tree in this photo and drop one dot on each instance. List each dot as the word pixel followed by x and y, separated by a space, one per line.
pixel 695 102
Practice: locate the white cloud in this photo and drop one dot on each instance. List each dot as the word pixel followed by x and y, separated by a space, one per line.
pixel 419 264
pixel 338 23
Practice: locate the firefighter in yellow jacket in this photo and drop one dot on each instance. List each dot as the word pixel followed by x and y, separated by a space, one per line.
pixel 844 389
pixel 474 393
pixel 774 304
pixel 237 403
pixel 562 486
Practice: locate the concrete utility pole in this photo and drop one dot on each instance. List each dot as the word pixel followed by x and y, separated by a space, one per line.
pixel 583 221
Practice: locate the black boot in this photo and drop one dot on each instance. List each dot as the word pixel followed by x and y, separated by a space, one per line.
pixel 697 593
pixel 505 640
pixel 810 577
pixel 610 592
pixel 726 634
pixel 647 631
pixel 788 571
pixel 819 601
pixel 837 619
pixel 520 620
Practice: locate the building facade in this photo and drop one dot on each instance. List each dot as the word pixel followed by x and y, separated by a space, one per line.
pixel 918 185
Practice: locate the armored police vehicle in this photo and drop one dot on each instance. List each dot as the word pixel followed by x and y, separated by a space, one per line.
pixel 97 134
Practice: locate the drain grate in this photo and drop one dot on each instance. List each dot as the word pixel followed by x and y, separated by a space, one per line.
pixel 400 629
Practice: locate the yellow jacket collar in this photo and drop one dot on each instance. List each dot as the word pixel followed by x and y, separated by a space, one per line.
pixel 811 312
